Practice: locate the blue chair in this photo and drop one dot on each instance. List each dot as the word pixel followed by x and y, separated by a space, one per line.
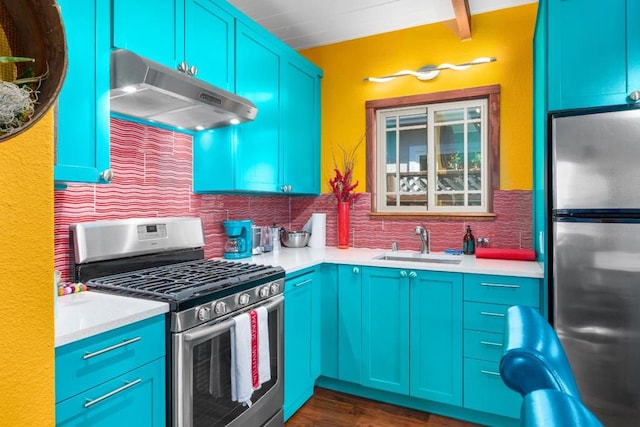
pixel 533 356
pixel 553 408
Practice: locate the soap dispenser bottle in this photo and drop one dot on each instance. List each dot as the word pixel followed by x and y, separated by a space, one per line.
pixel 468 242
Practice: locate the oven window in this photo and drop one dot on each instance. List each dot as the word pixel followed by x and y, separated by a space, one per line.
pixel 212 404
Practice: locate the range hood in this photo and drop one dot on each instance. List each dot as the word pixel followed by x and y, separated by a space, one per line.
pixel 147 90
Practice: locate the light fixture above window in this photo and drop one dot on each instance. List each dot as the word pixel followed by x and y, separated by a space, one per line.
pixel 430 72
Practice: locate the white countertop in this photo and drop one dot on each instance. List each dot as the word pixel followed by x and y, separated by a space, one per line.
pixel 90 313
pixel 296 259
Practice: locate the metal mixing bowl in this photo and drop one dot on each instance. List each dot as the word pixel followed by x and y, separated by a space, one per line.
pixel 294 239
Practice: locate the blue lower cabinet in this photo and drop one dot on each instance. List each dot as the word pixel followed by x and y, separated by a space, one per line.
pixel 436 337
pixel 301 339
pixel 484 390
pixel 385 330
pixel 349 319
pixel 136 398
pixel 114 378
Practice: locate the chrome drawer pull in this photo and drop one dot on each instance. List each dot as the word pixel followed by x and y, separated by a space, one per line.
pixel 497 374
pixel 304 282
pixel 488 313
pixel 499 285
pixel 91 402
pixel 113 347
pixel 494 344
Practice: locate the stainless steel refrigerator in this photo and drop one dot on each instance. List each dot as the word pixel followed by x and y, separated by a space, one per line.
pixel 595 251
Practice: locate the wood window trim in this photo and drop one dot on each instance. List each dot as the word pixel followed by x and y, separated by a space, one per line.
pixel 491 93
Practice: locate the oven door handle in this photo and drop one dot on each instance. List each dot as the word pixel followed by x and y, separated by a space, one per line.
pixel 227 324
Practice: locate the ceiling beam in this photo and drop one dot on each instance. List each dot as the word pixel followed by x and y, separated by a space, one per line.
pixel 463 18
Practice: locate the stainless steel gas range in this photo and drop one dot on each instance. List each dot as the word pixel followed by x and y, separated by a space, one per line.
pixel 163 259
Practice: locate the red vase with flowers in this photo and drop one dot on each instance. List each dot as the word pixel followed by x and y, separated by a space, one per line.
pixel 343 189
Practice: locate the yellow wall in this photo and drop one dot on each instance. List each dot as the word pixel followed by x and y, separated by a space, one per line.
pixel 26 276
pixel 506 34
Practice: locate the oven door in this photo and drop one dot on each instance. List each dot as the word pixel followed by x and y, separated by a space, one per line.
pixel 202 376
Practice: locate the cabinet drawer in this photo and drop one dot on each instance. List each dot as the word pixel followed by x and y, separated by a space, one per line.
pixel 480 316
pixel 484 390
pixel 136 398
pixel 483 345
pixel 94 360
pixel 502 289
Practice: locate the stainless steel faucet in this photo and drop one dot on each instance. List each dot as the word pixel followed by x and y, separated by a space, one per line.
pixel 421 230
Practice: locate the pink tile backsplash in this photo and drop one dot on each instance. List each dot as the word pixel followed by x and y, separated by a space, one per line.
pixel 152 178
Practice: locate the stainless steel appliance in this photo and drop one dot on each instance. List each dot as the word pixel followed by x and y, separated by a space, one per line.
pixel 162 259
pixel 145 89
pixel 595 255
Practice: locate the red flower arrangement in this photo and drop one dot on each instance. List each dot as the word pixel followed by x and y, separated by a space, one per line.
pixel 341 184
pixel 342 187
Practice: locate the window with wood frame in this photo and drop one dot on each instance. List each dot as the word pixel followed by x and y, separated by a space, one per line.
pixel 434 154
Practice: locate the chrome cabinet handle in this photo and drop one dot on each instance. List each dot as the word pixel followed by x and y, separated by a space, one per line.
pixel 356 270
pixel 634 96
pixel 192 71
pixel 499 285
pixel 494 344
pixel 128 384
pixel 403 274
pixel 183 67
pixel 413 275
pixel 106 175
pixel 304 282
pixel 113 347
pixel 490 372
pixel 488 313
pixel 286 188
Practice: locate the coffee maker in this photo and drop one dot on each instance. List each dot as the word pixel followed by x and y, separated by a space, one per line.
pixel 238 244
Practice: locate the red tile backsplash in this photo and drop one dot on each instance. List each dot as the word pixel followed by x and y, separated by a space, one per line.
pixel 153 178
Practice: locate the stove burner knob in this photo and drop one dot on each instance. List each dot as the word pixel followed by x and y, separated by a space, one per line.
pixel 220 308
pixel 204 313
pixel 264 291
pixel 244 299
pixel 275 288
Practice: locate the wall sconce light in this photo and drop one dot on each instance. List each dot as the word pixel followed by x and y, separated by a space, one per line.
pixel 430 72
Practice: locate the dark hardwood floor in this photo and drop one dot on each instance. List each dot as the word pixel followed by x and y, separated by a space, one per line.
pixel 328 408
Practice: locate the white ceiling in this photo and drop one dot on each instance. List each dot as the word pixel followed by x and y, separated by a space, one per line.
pixel 308 23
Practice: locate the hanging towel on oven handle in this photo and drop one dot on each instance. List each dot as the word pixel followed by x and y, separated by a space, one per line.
pixel 250 358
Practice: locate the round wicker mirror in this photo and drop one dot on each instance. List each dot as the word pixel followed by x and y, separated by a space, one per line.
pixel 31 29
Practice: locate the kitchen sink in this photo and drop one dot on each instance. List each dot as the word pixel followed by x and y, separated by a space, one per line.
pixel 435 258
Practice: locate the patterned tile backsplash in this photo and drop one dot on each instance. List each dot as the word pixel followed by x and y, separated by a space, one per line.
pixel 152 178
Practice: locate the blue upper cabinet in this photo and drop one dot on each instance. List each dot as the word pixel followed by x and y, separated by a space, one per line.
pixel 279 152
pixel 198 33
pixel 151 28
pixel 258 66
pixel 82 131
pixel 209 42
pixel 594 53
pixel 300 128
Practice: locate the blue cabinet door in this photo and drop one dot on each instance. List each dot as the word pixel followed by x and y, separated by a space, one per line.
pixel 592 46
pixel 136 398
pixel 300 130
pixel 436 337
pixel 301 341
pixel 350 323
pixel 385 329
pixel 209 42
pixel 82 132
pixel 258 79
pixel 151 28
pixel 329 321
